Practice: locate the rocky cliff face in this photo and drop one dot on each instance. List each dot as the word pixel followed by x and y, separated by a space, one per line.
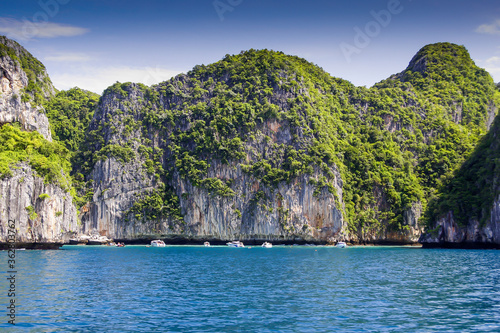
pixel 298 211
pixel 258 146
pixel 43 213
pixel 289 213
pixel 449 233
pixel 16 99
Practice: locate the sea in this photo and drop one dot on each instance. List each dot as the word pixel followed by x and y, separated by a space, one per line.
pixel 252 289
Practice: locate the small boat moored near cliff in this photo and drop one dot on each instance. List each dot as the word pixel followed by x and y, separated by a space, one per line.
pixel 235 244
pixel 267 245
pixel 157 243
pixel 206 243
pixel 341 245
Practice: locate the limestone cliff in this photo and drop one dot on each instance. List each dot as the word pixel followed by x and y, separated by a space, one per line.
pixel 448 233
pixel 291 212
pixel 43 212
pixel 20 88
pixel 467 213
pixel 257 146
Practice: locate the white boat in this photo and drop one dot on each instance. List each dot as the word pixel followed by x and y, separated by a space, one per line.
pixel 341 245
pixel 157 243
pixel 206 243
pixel 267 245
pixel 235 244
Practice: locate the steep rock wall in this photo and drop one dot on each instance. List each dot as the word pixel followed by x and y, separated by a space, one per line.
pixel 13 83
pixel 295 211
pixel 292 212
pixel 412 230
pixel 448 233
pixel 43 213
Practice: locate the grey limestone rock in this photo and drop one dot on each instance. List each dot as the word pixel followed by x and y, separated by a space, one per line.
pixel 13 82
pixel 43 213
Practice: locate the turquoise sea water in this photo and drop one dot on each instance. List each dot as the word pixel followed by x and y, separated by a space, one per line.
pixel 283 289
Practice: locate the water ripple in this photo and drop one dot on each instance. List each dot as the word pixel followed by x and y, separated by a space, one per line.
pixel 284 289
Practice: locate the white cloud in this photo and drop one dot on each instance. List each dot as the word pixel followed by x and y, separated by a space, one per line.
pixel 68 57
pixel 492 65
pixel 491 29
pixel 493 61
pixel 26 30
pixel 98 79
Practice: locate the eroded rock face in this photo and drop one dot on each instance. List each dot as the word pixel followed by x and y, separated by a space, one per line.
pixel 450 233
pixel 290 212
pixel 408 236
pixel 295 211
pixel 43 213
pixel 13 82
pixel 114 193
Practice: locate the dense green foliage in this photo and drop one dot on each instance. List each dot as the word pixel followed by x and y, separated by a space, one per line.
pixel 39 85
pixel 448 69
pixel 156 204
pixel 69 113
pixel 395 146
pixel 474 187
pixel 49 159
pixel 227 105
pixel 437 111
pixel 414 130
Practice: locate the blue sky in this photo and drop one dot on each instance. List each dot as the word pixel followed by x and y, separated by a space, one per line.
pixel 94 43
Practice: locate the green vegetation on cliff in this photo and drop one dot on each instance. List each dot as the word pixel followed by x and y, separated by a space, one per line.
pixel 449 104
pixel 445 75
pixel 474 187
pixel 49 159
pixel 395 148
pixel 69 113
pixel 39 85
pixel 393 145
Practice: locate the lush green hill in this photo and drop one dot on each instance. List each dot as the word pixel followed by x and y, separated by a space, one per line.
pixel 69 114
pixel 278 118
pixel 39 86
pixel 471 192
pixel 394 144
pixel 455 103
pixel 29 85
